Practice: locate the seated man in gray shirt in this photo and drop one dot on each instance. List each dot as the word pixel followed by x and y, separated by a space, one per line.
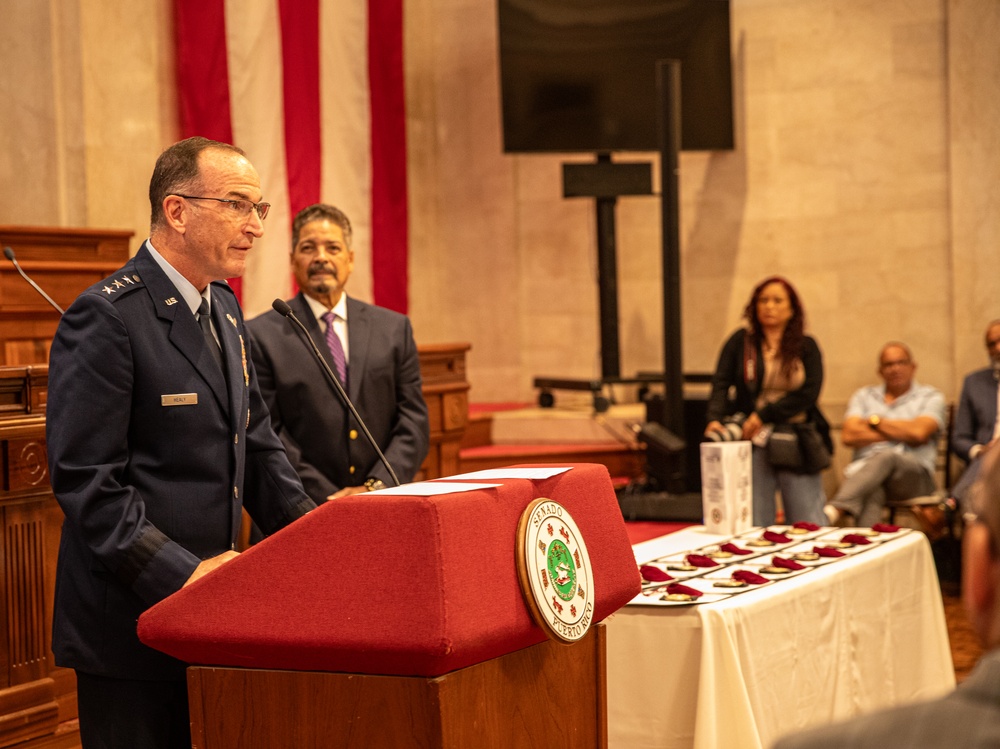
pixel 893 428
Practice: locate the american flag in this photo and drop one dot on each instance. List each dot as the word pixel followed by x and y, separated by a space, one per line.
pixel 313 92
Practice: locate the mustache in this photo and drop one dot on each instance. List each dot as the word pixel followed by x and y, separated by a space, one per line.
pixel 318 267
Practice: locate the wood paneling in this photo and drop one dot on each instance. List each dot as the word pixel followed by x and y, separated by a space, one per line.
pixel 547 695
pixel 446 390
pixel 35 695
pixel 63 262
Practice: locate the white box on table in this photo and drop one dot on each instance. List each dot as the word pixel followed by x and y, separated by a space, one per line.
pixel 727 486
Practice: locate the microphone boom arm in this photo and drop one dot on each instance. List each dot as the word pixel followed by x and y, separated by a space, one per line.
pixel 9 254
pixel 282 308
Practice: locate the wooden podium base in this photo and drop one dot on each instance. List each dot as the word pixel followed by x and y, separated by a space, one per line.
pixel 546 695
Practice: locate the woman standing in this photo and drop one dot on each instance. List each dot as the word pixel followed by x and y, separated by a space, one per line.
pixel 775 373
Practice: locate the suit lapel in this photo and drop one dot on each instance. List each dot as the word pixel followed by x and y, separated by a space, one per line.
pixel 357 336
pixel 184 333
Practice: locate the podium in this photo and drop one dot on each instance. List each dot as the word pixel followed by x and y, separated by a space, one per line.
pixel 397 620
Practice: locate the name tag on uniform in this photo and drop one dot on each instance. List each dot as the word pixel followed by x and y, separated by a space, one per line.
pixel 179 399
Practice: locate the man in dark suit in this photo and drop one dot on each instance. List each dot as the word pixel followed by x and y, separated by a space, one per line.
pixel 969 716
pixel 976 426
pixel 157 439
pixel 372 352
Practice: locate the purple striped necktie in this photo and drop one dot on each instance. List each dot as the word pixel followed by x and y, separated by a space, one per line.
pixel 336 348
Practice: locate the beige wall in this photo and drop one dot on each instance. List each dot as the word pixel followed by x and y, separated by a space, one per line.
pixel 865 170
pixel 86 105
pixel 974 139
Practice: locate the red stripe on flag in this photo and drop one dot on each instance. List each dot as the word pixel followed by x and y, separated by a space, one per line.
pixel 388 139
pixel 203 75
pixel 300 76
pixel 202 69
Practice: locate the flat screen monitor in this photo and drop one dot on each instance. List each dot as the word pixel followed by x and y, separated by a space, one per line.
pixel 580 75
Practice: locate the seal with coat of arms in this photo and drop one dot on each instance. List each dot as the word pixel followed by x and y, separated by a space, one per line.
pixel 554 571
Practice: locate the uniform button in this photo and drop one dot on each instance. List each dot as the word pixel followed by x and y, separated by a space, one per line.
pixel 352 469
pixel 232 546
pixel 236 492
pixel 354 434
pixel 236 439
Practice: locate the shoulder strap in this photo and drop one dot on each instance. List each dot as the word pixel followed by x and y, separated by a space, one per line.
pixel 750 363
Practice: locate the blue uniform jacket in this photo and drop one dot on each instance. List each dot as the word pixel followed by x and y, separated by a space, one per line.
pixel 152 458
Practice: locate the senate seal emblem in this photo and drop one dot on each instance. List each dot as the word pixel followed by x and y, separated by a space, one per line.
pixel 554 569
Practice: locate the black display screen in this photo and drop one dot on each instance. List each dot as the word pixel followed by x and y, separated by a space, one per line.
pixel 580 75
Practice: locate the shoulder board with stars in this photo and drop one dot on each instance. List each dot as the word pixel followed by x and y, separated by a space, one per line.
pixel 119 284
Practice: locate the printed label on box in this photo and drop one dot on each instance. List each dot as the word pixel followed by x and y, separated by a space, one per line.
pixel 727 486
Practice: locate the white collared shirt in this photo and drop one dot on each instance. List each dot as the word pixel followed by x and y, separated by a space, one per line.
pixel 339 320
pixel 191 296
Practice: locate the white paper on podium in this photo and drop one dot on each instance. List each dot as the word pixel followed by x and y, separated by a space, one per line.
pixel 512 473
pixel 432 488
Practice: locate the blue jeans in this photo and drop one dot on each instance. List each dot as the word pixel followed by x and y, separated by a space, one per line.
pixel 801 493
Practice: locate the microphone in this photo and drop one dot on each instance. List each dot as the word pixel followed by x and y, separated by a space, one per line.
pixel 281 307
pixel 9 254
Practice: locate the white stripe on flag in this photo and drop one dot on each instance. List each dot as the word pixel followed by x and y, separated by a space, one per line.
pixel 254 54
pixel 346 128
pixel 256 97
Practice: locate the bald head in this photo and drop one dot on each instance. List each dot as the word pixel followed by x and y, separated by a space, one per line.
pixel 896 367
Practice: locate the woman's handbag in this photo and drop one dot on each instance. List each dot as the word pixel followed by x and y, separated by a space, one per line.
pixel 783 448
pixel 815 456
pixel 797 447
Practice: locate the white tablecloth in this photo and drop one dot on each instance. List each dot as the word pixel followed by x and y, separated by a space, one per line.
pixel 846 638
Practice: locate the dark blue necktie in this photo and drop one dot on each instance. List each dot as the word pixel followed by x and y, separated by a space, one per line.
pixel 205 321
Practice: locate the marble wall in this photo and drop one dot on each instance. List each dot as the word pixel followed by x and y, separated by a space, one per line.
pixel 865 171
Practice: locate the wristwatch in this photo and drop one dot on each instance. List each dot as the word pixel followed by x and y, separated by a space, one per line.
pixel 373 485
pixel 874 420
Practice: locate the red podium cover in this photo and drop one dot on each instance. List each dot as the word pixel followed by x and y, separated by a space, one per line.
pixel 393 585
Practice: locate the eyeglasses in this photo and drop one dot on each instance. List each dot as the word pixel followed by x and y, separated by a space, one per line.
pixel 241 207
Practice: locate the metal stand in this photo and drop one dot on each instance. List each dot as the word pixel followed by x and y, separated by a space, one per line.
pixel 606 181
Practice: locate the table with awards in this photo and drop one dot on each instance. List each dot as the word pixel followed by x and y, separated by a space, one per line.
pixel 737 640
